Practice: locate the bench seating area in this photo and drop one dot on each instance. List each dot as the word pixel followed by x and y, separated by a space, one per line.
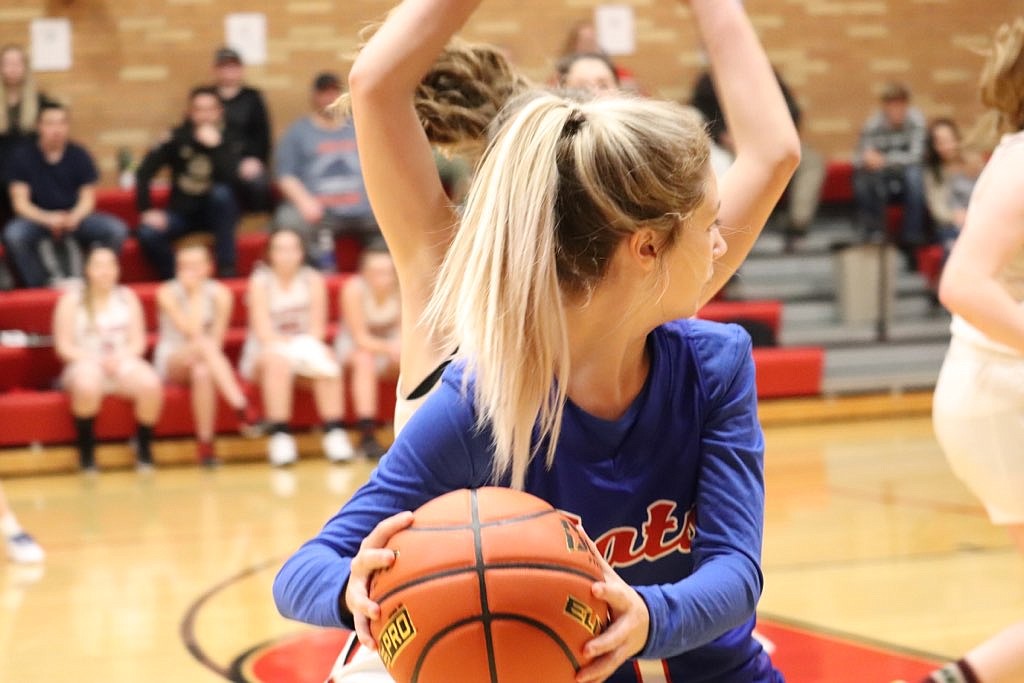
pixel 36 412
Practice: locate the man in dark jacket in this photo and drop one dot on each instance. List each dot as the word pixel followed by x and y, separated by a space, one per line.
pixel 245 114
pixel 203 156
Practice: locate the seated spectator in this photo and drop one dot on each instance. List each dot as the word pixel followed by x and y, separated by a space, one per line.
pixel 582 39
pixel 287 327
pixel 888 167
pixel 591 72
pixel 245 113
pixel 319 175
pixel 368 340
pixel 949 180
pixel 194 314
pixel 803 195
pixel 203 157
pixel 21 547
pixel 21 104
pixel 53 191
pixel 99 333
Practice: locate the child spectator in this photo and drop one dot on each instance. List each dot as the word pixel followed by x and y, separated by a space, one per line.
pixel 194 315
pixel 245 113
pixel 204 159
pixel 319 174
pixel 368 340
pixel 287 327
pixel 949 180
pixel 53 191
pixel 100 335
pixel 582 39
pixel 591 72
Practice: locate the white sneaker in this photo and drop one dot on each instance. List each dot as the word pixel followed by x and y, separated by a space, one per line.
pixel 281 450
pixel 337 447
pixel 23 549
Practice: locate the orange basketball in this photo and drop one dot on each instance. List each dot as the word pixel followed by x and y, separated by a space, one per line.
pixel 488 585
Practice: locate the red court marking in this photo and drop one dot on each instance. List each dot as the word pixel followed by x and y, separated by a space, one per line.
pixel 803 656
pixel 304 658
pixel 807 657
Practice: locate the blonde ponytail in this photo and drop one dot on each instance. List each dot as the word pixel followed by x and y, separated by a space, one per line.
pixel 498 293
pixel 557 190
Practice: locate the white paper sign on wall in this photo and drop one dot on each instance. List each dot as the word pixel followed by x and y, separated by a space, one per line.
pixel 247 33
pixel 51 44
pixel 616 29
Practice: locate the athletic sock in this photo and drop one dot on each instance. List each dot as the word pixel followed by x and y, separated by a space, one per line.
pixel 954 672
pixel 143 440
pixel 367 427
pixel 86 441
pixel 331 425
pixel 278 428
pixel 9 526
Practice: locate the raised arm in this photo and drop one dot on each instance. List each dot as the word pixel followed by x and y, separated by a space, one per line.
pixel 766 141
pixel 993 233
pixel 402 182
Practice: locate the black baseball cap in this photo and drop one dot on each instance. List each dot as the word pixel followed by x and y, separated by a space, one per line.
pixel 326 81
pixel 225 55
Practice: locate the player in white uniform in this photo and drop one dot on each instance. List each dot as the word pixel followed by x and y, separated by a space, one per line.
pixel 100 334
pixel 369 336
pixel 395 123
pixel 287 327
pixel 195 311
pixel 979 400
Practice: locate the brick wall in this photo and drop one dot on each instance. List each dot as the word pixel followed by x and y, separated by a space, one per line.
pixel 134 60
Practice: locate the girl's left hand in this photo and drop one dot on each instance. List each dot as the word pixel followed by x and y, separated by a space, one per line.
pixel 627 634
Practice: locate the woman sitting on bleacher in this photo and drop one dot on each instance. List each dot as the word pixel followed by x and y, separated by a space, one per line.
pixel 194 314
pixel 369 337
pixel 287 327
pixel 100 335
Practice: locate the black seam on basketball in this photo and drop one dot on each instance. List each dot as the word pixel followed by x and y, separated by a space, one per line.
pixel 559 569
pixel 486 525
pixel 498 616
pixel 434 640
pixel 481 573
pixel 547 630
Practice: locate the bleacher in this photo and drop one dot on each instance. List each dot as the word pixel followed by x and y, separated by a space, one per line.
pixel 35 412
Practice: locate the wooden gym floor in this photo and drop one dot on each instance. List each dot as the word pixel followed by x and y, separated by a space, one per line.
pixel 877 561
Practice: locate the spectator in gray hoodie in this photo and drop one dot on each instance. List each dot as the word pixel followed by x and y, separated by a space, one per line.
pixel 889 168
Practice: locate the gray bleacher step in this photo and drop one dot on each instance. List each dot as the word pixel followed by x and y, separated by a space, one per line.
pixel 797 286
pixel 820 239
pixel 836 334
pixel 824 312
pixel 883 367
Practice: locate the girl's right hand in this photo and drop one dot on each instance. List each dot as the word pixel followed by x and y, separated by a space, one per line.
pixel 372 556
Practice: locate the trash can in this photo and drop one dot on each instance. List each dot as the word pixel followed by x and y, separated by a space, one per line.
pixel 859 289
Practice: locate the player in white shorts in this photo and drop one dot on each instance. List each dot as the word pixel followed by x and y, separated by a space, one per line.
pixel 195 311
pixel 979 399
pixel 406 194
pixel 100 334
pixel 369 336
pixel 287 328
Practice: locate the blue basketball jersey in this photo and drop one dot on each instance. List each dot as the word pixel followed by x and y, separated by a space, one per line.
pixel 672 493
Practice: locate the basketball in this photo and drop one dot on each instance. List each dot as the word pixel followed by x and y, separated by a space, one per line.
pixel 489 584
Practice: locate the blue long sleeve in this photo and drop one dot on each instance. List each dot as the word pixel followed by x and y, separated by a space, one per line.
pixel 430 458
pixel 725 586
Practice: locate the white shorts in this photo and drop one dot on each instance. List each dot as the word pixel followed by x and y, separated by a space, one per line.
pixel 344 345
pixel 111 382
pixel 356 664
pixel 309 357
pixel 978 414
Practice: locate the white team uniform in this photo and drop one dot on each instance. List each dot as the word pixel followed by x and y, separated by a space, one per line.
pixel 105 332
pixel 171 338
pixel 383 319
pixel 978 408
pixel 291 317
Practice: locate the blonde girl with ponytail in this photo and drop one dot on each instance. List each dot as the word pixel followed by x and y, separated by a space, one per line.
pixel 979 398
pixel 590 237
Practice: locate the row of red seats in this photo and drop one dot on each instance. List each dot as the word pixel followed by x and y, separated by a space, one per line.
pixel 34 412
